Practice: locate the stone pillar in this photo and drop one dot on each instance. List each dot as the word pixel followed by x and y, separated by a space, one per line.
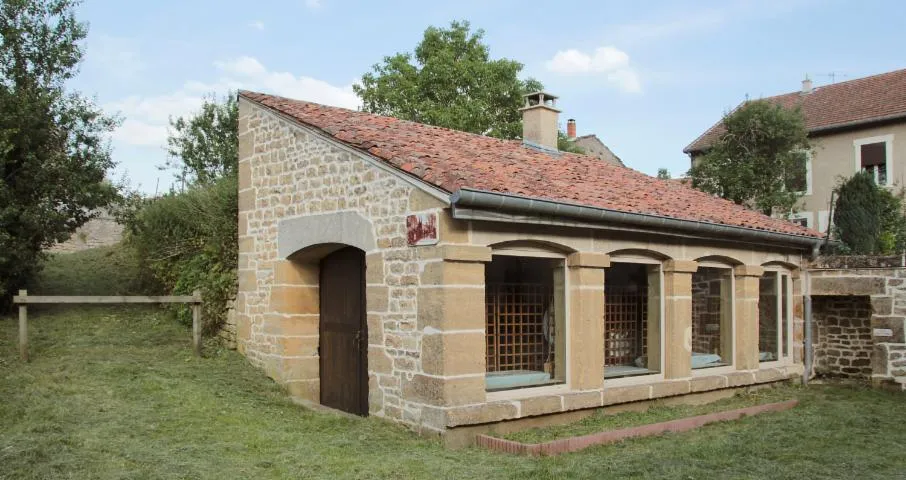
pixel 585 326
pixel 451 317
pixel 678 318
pixel 246 242
pixel 746 297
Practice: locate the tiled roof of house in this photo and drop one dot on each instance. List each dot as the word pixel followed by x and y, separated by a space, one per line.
pixel 451 160
pixel 875 98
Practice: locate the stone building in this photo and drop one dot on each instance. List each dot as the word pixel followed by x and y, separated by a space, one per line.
pixel 101 231
pixel 453 282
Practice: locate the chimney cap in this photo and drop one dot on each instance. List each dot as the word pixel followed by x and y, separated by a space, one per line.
pixel 540 99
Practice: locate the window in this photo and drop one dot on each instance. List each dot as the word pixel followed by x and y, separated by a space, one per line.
pixel 712 317
pixel 800 180
pixel 632 320
pixel 774 316
pixel 874 155
pixel 525 306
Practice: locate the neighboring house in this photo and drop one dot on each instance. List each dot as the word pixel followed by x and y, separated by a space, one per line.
pixel 854 125
pixel 591 145
pixel 451 281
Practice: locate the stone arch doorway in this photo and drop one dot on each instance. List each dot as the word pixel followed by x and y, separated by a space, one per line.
pixel 342 330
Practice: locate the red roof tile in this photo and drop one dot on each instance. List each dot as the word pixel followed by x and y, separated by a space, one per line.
pixel 451 159
pixel 875 98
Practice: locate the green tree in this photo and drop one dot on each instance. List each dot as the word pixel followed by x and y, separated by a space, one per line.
pixel 188 239
pixel 663 174
pixel 564 144
pixel 869 219
pixel 203 146
pixel 759 160
pixel 450 81
pixel 54 152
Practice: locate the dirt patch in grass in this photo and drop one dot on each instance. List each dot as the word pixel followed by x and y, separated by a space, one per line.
pixel 658 412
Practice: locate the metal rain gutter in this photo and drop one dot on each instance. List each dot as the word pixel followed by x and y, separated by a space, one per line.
pixel 467 197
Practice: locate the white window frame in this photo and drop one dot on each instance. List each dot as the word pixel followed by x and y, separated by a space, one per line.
pixel 808 173
pixel 824 221
pixel 782 359
pixel 731 367
pixel 614 382
pixel 526 392
pixel 888 154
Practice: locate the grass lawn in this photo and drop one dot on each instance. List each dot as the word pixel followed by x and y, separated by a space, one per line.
pixel 116 393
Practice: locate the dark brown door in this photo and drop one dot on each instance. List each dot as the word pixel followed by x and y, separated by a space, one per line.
pixel 343 335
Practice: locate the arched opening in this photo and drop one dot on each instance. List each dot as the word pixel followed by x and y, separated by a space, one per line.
pixel 343 331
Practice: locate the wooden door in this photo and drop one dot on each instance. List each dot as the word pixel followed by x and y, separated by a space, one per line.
pixel 343 335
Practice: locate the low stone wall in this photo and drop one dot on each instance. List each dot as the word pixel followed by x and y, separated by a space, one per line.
pixel 843 343
pixel 101 231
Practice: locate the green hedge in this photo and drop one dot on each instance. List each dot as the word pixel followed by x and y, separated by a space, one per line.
pixel 188 240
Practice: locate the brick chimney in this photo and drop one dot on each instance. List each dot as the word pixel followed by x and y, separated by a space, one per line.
pixel 539 120
pixel 806 86
pixel 571 129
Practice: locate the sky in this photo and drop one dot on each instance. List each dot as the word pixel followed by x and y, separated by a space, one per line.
pixel 646 77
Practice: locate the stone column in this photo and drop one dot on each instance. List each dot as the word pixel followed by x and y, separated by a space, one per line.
pixel 746 297
pixel 585 325
pixel 678 318
pixel 451 317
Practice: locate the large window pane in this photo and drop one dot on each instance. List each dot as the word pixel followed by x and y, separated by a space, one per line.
pixel 632 334
pixel 768 317
pixel 524 305
pixel 712 303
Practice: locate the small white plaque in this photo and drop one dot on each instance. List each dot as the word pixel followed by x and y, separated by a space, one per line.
pixel 883 332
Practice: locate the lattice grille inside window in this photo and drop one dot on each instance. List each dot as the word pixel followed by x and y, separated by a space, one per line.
pixel 520 326
pixel 625 324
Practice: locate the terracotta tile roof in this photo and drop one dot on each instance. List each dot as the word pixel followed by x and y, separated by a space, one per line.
pixel 451 159
pixel 876 98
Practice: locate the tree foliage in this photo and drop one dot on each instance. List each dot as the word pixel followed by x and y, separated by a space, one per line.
pixel 759 161
pixel 869 219
pixel 54 151
pixel 202 147
pixel 450 81
pixel 663 174
pixel 188 239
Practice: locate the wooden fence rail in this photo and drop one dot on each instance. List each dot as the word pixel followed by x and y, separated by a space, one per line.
pixel 23 300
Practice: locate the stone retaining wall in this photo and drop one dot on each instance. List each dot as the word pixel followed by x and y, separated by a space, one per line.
pixel 101 231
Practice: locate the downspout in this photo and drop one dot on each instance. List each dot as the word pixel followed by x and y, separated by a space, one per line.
pixel 807 313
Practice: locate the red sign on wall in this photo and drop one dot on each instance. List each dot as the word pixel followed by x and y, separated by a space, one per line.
pixel 421 229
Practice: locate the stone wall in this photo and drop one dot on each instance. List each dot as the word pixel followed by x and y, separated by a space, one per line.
pixel 843 343
pixel 886 290
pixel 287 173
pixel 100 231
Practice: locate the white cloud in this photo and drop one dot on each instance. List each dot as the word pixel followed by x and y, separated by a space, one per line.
pixel 257 25
pixel 313 4
pixel 611 62
pixel 147 117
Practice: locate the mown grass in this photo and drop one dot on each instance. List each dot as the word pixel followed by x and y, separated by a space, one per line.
pixel 115 393
pixel 657 412
pixel 112 270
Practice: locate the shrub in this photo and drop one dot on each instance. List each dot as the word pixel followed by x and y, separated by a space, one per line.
pixel 188 240
pixel 869 219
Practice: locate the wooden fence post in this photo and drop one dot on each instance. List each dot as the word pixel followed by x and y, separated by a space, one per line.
pixel 196 322
pixel 23 327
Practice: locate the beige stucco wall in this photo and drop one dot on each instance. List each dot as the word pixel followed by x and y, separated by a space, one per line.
pixel 425 304
pixel 834 157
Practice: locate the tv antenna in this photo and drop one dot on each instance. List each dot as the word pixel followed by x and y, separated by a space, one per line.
pixel 832 76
